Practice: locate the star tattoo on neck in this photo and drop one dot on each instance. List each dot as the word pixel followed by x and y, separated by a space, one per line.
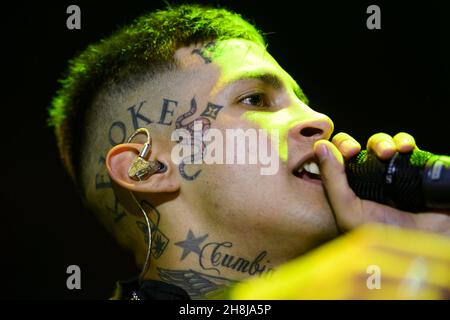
pixel 191 244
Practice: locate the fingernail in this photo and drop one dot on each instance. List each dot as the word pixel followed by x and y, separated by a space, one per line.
pixel 322 151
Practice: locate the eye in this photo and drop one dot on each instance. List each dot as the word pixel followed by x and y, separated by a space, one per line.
pixel 256 100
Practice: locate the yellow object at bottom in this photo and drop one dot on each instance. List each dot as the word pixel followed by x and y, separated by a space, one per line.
pixel 371 262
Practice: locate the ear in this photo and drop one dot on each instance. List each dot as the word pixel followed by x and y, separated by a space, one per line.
pixel 119 160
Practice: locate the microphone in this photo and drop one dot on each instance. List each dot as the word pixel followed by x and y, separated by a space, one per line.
pixel 415 181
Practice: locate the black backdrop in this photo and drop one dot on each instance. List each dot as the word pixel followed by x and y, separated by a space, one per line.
pixel 367 81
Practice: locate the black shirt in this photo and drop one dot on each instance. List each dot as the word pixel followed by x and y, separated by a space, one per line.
pixel 148 290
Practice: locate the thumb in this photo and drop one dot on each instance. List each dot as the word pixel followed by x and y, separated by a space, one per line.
pixel 346 205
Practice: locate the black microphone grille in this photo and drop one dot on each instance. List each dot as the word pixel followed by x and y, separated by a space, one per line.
pixel 396 182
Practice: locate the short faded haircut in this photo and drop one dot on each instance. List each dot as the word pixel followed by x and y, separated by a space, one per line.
pixel 146 46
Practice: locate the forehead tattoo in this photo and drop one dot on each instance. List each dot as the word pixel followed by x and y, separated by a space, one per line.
pixel 206 52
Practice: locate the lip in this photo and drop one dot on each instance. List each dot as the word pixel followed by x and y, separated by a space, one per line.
pixel 305 158
pixel 304 175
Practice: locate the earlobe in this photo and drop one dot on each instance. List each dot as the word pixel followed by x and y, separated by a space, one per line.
pixel 123 163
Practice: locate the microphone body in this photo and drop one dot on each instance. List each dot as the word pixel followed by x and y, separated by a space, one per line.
pixel 415 182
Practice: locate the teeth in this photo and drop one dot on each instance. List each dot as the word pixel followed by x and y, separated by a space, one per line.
pixel 310 167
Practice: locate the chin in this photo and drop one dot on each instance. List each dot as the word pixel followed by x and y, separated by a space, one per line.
pixel 313 221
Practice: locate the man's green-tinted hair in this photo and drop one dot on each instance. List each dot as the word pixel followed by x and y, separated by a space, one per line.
pixel 144 46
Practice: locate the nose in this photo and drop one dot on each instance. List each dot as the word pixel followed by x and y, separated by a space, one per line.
pixel 317 126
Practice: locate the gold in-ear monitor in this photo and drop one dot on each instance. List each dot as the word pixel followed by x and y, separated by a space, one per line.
pixel 141 168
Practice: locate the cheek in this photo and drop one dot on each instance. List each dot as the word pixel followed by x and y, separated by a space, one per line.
pixel 232 179
pixel 238 199
pixel 240 193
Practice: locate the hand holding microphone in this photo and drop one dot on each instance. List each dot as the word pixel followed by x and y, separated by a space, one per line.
pixel 385 155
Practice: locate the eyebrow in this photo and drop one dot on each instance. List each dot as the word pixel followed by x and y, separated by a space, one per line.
pixel 267 78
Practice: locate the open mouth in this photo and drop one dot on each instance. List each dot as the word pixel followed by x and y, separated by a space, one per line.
pixel 309 171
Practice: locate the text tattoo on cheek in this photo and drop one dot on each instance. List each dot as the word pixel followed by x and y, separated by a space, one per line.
pixel 118 133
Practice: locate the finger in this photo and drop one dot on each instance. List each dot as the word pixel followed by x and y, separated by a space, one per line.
pixel 342 199
pixel 434 222
pixel 349 210
pixel 404 142
pixel 346 144
pixel 383 145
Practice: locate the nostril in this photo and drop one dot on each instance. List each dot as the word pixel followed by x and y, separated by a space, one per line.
pixel 310 131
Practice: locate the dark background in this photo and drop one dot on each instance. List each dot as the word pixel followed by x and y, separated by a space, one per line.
pixel 367 81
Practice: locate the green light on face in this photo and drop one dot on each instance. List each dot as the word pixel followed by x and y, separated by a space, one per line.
pixel 236 58
pixel 281 120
